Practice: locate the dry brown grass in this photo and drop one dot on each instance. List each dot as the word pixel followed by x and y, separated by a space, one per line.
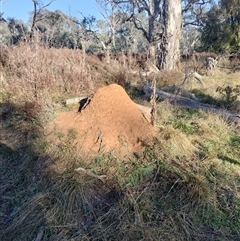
pixel 37 70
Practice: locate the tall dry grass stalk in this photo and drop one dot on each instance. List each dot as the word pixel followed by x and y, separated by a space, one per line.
pixel 34 72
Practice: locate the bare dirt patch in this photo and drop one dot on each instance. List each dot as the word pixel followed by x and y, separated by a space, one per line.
pixel 111 122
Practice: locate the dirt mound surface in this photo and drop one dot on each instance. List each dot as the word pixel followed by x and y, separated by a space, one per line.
pixel 110 122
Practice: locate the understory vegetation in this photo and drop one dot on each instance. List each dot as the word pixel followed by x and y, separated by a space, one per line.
pixel 184 186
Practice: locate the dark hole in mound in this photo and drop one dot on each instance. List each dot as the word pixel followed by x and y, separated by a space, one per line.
pixel 83 103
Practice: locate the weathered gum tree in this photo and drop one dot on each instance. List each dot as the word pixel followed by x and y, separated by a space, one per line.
pixel 168 49
pixel 162 25
pixel 161 28
pixel 165 49
pixel 37 15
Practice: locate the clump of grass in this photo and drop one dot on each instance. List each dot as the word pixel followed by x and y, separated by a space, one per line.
pixel 169 78
pixel 206 98
pixel 229 95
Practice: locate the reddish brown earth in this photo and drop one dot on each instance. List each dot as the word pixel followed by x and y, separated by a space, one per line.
pixel 111 122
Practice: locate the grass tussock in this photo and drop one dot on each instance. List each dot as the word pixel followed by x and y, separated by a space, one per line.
pixel 185 186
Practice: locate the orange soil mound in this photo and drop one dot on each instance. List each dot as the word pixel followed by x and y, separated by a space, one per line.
pixel 111 122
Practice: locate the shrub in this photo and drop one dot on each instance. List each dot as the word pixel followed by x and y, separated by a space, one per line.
pixel 229 95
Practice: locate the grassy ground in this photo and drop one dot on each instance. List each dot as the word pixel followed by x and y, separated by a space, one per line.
pixel 185 186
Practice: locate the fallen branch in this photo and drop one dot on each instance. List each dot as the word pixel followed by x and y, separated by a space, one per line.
pixel 198 77
pixel 191 104
pixel 74 100
pixel 194 74
pixel 39 235
pixel 179 91
pixel 90 173
pixel 152 69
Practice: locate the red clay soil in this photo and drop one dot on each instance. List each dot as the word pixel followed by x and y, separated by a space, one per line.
pixel 111 122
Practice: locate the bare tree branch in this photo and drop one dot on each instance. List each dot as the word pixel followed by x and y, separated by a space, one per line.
pixel 36 13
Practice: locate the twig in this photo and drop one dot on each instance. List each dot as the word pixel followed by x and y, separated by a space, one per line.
pixel 90 173
pixel 39 235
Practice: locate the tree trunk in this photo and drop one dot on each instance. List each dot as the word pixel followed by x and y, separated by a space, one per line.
pixel 152 53
pixel 153 9
pixel 168 50
pixel 33 20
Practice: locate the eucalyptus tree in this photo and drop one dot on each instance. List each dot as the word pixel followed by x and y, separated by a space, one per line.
pixel 128 38
pixel 194 12
pixel 231 12
pixel 109 26
pixel 163 27
pixel 168 51
pixel 38 8
pixel 17 28
pixel 5 34
pixel 50 26
pixel 85 32
pixel 221 30
pixel 57 30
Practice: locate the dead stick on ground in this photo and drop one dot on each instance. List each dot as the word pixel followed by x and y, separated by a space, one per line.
pixel 39 235
pixel 90 173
